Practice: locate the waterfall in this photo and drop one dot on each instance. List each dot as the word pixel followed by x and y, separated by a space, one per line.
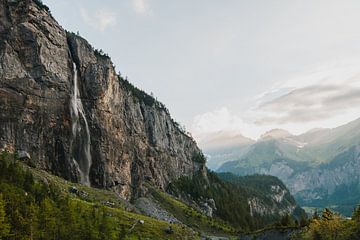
pixel 80 143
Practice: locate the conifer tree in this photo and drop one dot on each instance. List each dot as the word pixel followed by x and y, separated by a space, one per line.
pixel 4 225
pixel 356 214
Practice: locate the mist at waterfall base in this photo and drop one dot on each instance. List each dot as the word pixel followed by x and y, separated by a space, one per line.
pixel 80 142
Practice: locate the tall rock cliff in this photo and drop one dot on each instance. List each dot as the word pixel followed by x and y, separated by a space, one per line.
pixel 64 104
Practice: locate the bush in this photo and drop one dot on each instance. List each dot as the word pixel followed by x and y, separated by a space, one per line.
pixel 99 54
pixel 199 157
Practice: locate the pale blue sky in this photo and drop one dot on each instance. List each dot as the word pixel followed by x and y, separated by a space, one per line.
pixel 222 65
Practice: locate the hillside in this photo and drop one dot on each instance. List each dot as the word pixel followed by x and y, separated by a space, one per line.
pixel 87 155
pixel 246 202
pixel 53 206
pixel 39 205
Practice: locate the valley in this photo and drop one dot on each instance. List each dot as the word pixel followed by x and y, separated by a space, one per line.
pixel 320 167
pixel 87 154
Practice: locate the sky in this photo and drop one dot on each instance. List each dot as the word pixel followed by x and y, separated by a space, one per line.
pixel 232 66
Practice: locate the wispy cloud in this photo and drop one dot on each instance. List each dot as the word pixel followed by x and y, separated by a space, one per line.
pixel 223 120
pixel 311 103
pixel 325 92
pixel 217 120
pixel 326 96
pixel 141 7
pixel 100 19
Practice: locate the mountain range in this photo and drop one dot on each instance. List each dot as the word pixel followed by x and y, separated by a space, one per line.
pixel 320 167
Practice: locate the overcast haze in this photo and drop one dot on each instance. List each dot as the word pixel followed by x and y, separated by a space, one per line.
pixel 239 66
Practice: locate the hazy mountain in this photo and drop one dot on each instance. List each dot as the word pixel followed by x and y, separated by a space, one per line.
pixel 316 165
pixel 276 134
pixel 324 144
pixel 221 147
pixel 222 139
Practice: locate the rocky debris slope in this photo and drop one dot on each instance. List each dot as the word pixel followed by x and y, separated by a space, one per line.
pixel 150 207
pixel 132 136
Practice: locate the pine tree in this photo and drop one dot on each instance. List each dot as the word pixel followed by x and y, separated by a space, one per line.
pixel 315 215
pixel 4 225
pixel 303 221
pixel 47 219
pixel 356 214
pixel 286 220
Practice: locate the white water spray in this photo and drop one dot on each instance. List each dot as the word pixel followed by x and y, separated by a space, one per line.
pixel 80 139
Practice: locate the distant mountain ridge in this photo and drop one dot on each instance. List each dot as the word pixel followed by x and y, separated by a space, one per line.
pixel 315 166
pixel 221 147
pixel 275 134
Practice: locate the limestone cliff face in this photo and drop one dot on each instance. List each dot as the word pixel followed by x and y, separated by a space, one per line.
pixel 132 136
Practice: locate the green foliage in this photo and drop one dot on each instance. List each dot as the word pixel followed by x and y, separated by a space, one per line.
pixel 303 222
pixel 138 93
pixel 356 214
pixel 287 221
pixel 231 197
pixel 190 216
pixel 4 225
pixel 41 5
pixel 331 226
pixel 99 54
pixel 199 157
pixel 37 205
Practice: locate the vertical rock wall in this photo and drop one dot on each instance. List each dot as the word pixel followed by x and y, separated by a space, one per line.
pixel 133 138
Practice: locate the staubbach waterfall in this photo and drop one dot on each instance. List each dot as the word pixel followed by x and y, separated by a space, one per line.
pixel 80 133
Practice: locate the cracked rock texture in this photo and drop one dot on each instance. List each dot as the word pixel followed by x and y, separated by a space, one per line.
pixel 133 137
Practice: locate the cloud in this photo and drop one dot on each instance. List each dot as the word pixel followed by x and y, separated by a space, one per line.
pixel 100 20
pixel 326 96
pixel 225 121
pixel 311 103
pixel 340 72
pixel 326 92
pixel 141 7
pixel 217 120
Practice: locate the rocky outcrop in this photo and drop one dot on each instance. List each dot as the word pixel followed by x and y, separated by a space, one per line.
pixel 133 139
pixel 330 180
pixel 150 207
pixel 279 203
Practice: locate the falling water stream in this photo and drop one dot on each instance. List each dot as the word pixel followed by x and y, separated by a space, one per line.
pixel 80 133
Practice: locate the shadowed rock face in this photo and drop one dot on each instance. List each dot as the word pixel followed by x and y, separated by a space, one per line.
pixel 132 140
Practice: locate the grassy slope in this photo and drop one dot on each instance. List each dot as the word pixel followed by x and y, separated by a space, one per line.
pixel 190 216
pixel 95 198
pixel 153 229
